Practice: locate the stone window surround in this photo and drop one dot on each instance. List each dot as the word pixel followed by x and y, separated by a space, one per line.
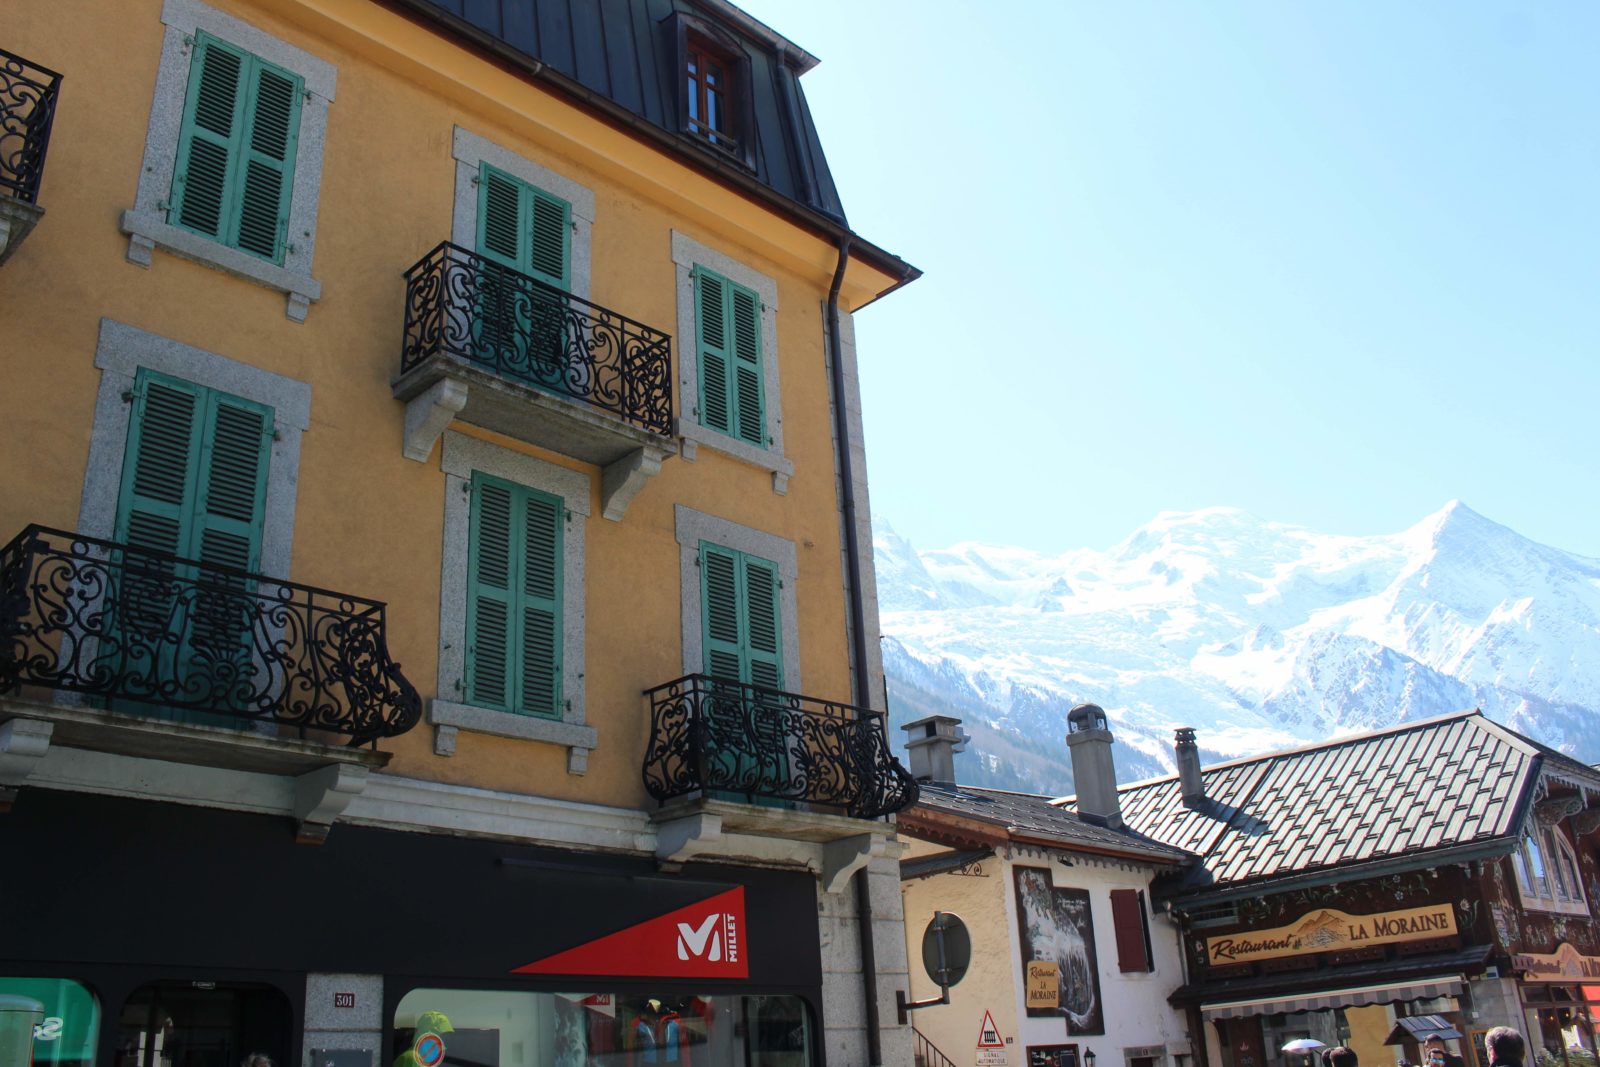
pixel 146 223
pixel 687 253
pixel 471 151
pixel 693 527
pixel 121 352
pixel 458 458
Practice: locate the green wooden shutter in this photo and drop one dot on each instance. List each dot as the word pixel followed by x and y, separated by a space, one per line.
pixel 541 606
pixel 236 150
pixel 764 627
pixel 514 599
pixel 195 474
pixel 213 120
pixel 490 597
pixel 501 231
pixel 729 321
pixel 743 631
pixel 549 224
pixel 746 331
pixel 524 228
pixel 716 407
pixel 719 580
pixel 194 485
pixel 267 172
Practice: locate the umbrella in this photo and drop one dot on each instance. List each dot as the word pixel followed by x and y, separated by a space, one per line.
pixel 1305 1045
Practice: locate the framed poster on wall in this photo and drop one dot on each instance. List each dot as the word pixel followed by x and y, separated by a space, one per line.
pixel 1056 925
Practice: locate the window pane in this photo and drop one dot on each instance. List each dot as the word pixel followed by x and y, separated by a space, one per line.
pixel 477 1028
pixel 181 1024
pixel 65 1028
pixel 1536 864
pixel 1519 860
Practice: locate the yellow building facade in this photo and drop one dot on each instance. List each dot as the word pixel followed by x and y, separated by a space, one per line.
pixel 530 400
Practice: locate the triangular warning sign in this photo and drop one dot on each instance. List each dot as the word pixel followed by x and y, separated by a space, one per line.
pixel 704 940
pixel 989 1033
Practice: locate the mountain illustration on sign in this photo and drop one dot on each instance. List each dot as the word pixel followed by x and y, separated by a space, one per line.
pixel 1322 930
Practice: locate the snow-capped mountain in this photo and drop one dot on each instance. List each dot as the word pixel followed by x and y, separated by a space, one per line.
pixel 1258 634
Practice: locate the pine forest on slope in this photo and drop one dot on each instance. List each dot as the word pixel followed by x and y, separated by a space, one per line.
pixel 1258 634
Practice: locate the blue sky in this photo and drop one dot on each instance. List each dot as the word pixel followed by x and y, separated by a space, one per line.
pixel 1335 264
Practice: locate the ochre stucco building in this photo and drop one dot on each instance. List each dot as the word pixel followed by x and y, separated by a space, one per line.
pixel 441 541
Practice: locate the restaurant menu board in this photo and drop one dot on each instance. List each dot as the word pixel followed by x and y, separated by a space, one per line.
pixel 1052 1056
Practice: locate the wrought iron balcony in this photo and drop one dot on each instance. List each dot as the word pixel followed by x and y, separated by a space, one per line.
pixel 715 737
pixel 27 107
pixel 141 631
pixel 461 306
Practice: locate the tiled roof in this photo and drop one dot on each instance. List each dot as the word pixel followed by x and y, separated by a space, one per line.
pixel 1454 781
pixel 1037 818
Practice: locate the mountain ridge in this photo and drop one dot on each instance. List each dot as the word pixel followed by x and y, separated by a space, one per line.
pixel 1258 633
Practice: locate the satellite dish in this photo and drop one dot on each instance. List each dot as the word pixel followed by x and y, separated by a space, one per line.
pixel 946 949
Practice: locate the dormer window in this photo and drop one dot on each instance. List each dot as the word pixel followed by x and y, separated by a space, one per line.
pixel 709 83
pixel 714 89
pixel 1547 872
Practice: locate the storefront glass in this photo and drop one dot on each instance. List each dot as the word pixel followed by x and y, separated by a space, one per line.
pixel 203 1024
pixel 65 1024
pixel 477 1028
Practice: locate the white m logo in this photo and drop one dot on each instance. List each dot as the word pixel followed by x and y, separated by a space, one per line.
pixel 692 942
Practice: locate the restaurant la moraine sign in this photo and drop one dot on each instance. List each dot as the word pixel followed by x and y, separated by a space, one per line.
pixel 1331 930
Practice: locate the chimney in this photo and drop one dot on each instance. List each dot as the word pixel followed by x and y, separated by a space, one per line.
pixel 932 744
pixel 1093 770
pixel 1193 785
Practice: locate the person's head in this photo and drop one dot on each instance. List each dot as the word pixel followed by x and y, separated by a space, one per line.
pixel 1433 1051
pixel 256 1059
pixel 1505 1045
pixel 1342 1057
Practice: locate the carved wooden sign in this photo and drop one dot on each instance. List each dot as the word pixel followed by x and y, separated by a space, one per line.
pixel 1331 930
pixel 1564 962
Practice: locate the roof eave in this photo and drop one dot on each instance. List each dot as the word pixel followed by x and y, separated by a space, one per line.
pixel 1488 848
pixel 679 147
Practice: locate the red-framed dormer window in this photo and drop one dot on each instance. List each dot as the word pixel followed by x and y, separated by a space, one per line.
pixel 710 83
pixel 714 89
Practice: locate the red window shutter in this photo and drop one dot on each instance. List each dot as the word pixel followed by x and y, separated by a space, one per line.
pixel 1127 918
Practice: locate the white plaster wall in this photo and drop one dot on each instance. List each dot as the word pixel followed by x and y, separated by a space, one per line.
pixel 1134 1006
pixel 989 984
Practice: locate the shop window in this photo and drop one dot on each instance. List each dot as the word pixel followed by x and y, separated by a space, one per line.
pixel 56 1019
pixel 200 1024
pixel 1547 872
pixel 482 1028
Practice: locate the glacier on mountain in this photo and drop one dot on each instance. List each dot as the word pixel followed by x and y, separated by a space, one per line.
pixel 1259 634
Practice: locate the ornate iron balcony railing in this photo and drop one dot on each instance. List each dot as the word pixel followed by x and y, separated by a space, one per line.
pixel 716 737
pixel 27 107
pixel 462 306
pixel 137 630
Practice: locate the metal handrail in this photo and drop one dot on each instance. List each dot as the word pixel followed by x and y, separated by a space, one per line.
pixel 28 94
pixel 468 308
pixel 121 624
pixel 927 1054
pixel 712 735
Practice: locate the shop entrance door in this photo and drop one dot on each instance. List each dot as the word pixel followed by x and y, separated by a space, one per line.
pixel 1242 1043
pixel 204 1024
